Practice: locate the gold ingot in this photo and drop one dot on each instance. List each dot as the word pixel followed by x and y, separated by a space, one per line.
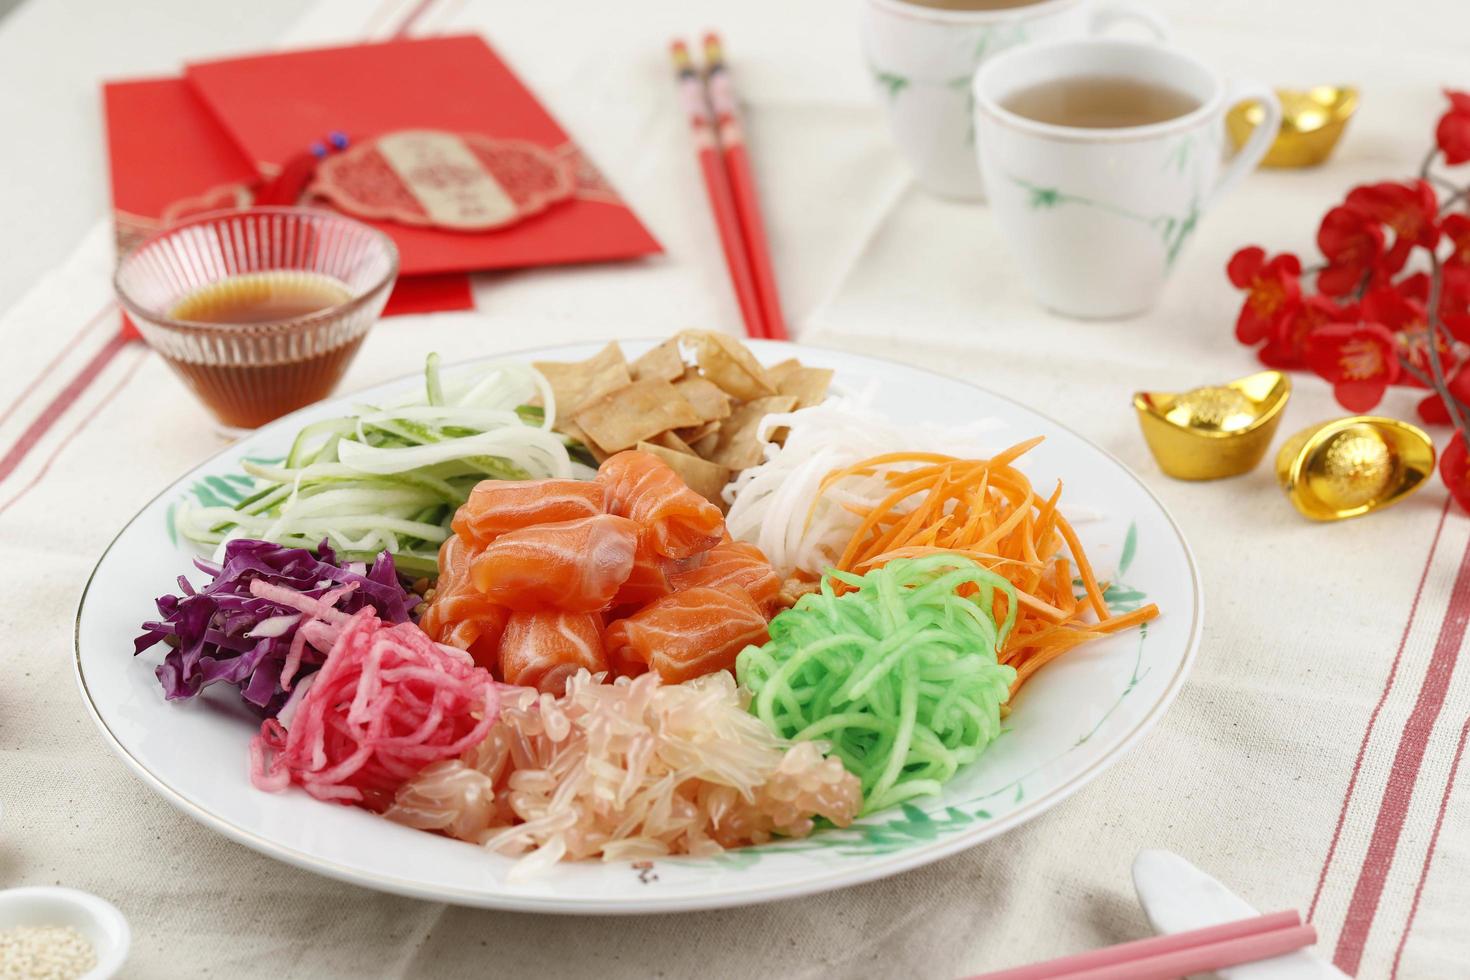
pixel 1353 466
pixel 1312 122
pixel 1215 431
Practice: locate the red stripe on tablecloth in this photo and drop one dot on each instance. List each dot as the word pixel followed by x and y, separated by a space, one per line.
pixel 1444 803
pixel 413 16
pixel 1393 670
pixel 85 421
pixel 51 366
pixel 64 399
pixel 1394 806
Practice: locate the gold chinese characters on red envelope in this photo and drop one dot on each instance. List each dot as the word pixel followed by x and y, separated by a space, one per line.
pixel 455 181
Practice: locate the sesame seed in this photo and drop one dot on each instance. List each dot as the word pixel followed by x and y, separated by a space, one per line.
pixel 44 953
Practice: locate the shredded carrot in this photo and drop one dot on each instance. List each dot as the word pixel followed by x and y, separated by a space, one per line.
pixel 986 509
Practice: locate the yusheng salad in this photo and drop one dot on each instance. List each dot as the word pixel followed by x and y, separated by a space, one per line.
pixel 764 609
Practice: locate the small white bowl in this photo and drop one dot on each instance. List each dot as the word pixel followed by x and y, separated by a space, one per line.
pixel 93 917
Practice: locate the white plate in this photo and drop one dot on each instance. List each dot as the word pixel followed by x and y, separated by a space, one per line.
pixel 1072 721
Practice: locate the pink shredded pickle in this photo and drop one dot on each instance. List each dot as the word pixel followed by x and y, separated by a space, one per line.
pixel 319 625
pixel 387 702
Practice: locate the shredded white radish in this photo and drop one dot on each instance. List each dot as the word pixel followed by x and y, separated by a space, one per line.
pixel 772 504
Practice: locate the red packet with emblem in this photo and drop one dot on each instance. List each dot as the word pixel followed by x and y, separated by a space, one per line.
pixel 172 159
pixel 448 152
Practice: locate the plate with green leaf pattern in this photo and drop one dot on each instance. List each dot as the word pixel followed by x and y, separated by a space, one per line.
pixel 1074 719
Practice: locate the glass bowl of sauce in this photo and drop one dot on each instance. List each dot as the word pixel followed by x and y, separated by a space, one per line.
pixel 259 310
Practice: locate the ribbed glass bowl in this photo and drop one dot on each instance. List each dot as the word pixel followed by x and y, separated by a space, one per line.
pixel 250 373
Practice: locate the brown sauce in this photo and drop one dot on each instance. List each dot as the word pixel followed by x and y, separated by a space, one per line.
pixel 247 395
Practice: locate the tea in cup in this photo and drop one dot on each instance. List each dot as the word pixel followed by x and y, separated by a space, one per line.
pixel 1100 157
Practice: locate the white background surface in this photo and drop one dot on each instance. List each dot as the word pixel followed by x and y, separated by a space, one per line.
pixel 1326 649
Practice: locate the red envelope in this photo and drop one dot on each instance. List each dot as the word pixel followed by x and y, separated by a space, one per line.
pixel 277 105
pixel 171 158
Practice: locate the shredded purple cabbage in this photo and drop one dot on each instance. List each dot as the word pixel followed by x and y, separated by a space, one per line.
pixel 207 631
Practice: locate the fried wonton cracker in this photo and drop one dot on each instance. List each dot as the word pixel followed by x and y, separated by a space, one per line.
pixel 664 361
pixel 726 362
pixel 620 418
pixel 707 442
pixel 776 372
pixel 574 431
pixel 694 433
pixel 671 440
pixel 808 384
pixel 577 383
pixel 707 398
pixel 739 444
pixel 703 477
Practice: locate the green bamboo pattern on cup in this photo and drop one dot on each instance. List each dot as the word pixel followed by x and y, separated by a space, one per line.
pixel 1174 230
pixel 988 41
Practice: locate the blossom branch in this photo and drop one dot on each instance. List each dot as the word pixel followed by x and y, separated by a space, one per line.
pixel 1428 162
pixel 1436 327
pixel 1408 367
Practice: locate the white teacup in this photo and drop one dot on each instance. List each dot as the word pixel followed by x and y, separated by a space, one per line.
pixel 1097 217
pixel 923 59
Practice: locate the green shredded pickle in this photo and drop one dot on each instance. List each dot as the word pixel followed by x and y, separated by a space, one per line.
pixel 899 675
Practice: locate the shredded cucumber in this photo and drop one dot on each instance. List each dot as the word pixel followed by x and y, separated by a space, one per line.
pixel 391 475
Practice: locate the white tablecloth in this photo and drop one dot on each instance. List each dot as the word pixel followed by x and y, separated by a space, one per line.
pixel 1310 762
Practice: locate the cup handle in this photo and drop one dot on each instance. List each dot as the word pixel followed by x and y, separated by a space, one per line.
pixel 1248 156
pixel 1110 12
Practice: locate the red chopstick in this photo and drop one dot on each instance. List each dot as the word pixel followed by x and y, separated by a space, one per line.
pixel 717 184
pixel 1178 954
pixel 721 90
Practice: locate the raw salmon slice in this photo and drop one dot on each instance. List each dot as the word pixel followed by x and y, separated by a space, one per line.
pixel 644 488
pixel 649 579
pixel 688 634
pixel 479 636
pixel 498 506
pixel 575 566
pixel 545 649
pixel 733 564
pixel 459 615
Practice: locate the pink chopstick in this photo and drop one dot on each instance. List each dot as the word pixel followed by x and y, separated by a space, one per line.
pixel 731 131
pixel 717 185
pixel 1176 955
